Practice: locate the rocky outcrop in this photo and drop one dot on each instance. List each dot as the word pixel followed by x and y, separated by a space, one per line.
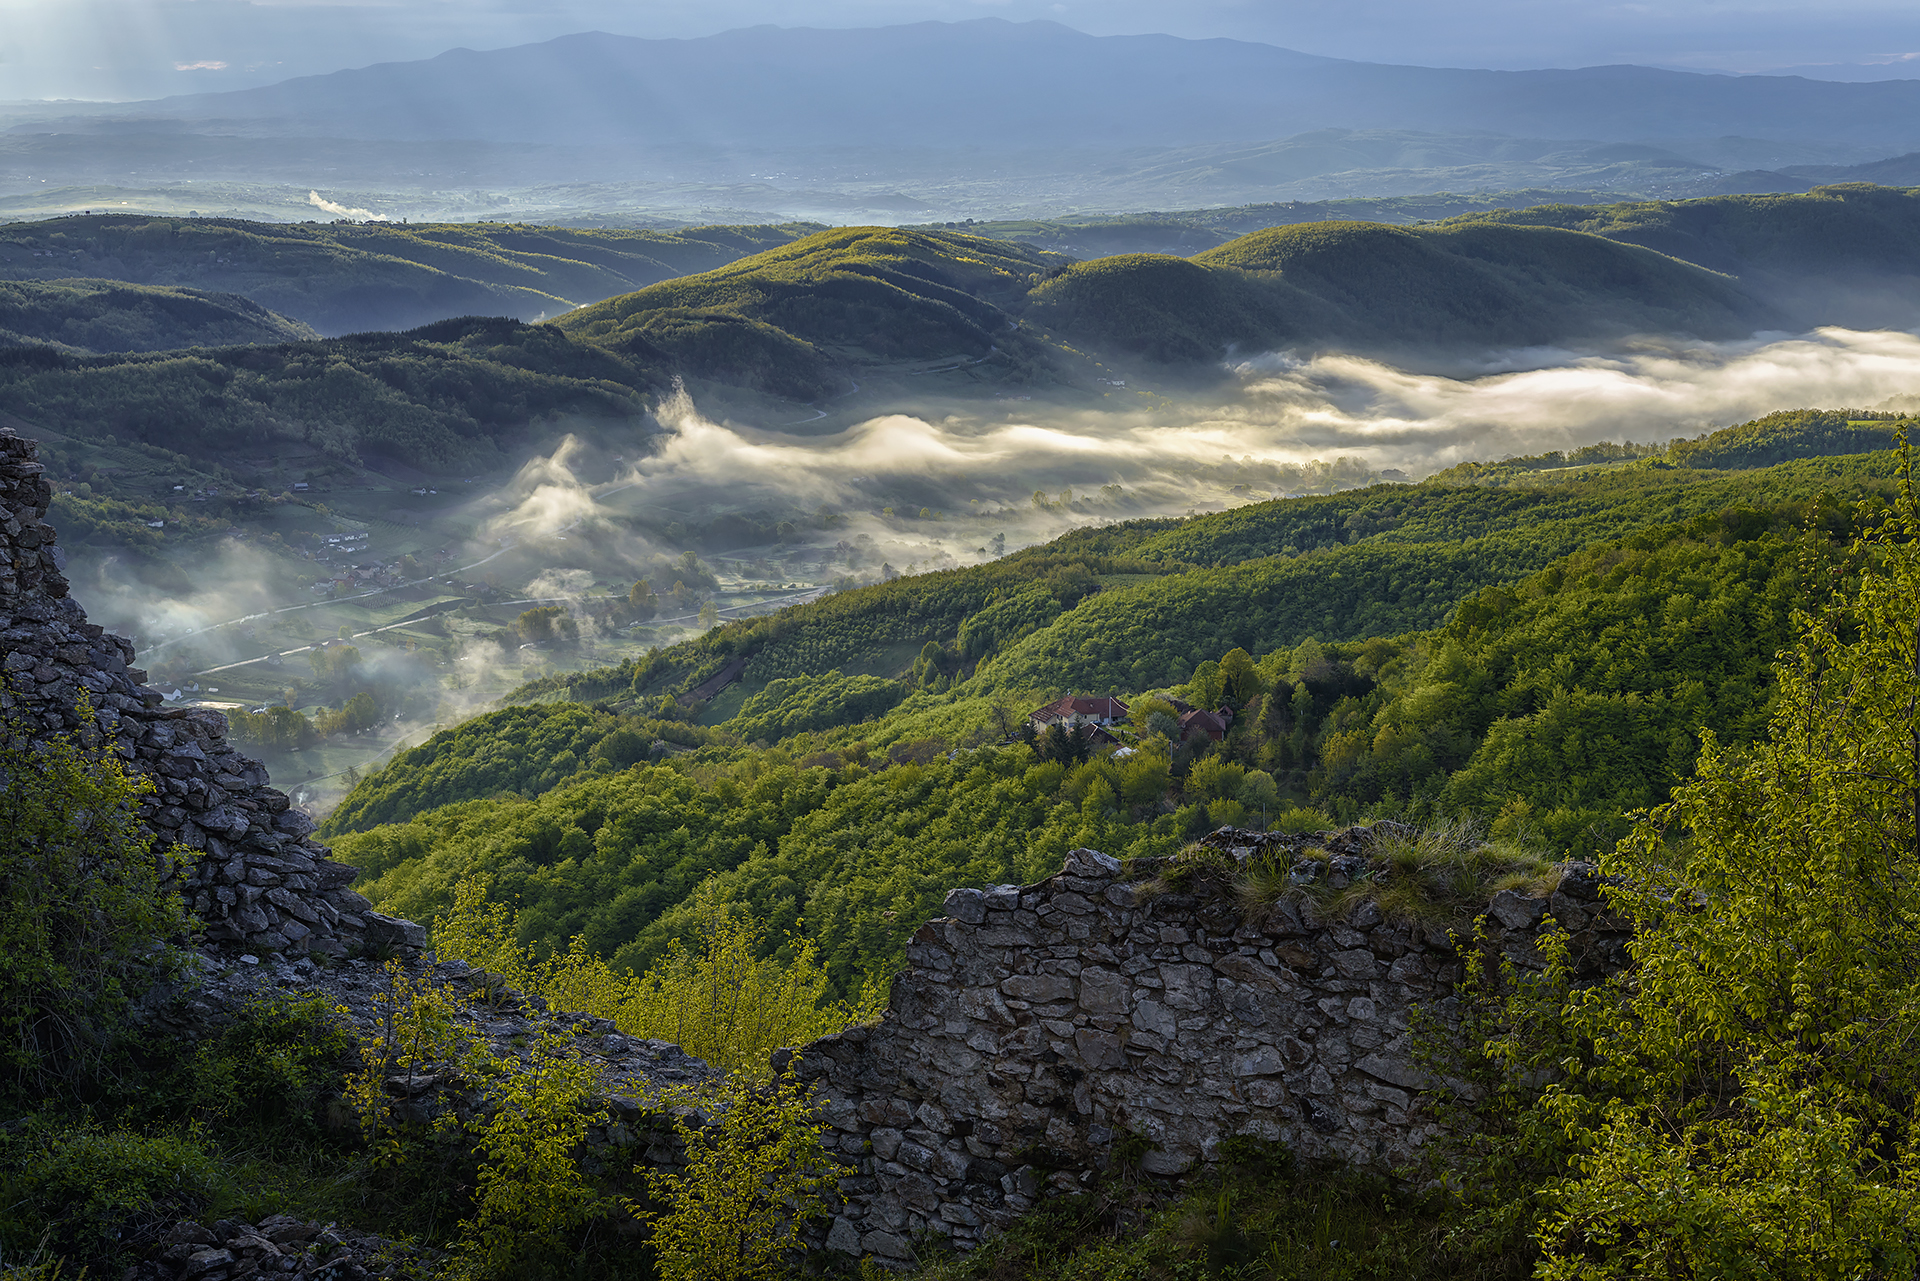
pixel 1039 1025
pixel 262 885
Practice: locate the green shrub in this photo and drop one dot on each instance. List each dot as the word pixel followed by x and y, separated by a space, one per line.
pixel 93 1196
pixel 85 919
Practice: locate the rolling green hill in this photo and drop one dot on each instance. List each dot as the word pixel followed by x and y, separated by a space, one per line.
pixel 1538 660
pixel 440 398
pixel 345 277
pixel 785 321
pixel 1844 254
pixel 108 316
pixel 796 321
pixel 1373 286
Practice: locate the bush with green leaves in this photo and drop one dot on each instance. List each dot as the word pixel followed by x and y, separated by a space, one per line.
pixel 755 1174
pixel 1741 1105
pixel 93 1196
pixel 86 920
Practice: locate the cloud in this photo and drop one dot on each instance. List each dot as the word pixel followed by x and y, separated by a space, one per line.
pixel 315 199
pixel 1289 412
pixel 200 66
pixel 1533 401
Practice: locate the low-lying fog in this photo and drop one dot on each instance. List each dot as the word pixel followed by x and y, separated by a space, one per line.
pixel 773 517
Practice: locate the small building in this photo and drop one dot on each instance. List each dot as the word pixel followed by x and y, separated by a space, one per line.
pixel 1213 724
pixel 1076 710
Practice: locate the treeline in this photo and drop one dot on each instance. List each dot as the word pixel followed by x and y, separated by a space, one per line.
pixel 438 397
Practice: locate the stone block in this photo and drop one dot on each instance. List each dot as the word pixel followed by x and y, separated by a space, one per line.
pixel 966 905
pixel 1355 963
pixel 1091 864
pixel 1103 992
pixel 1395 1071
pixel 1039 987
pixel 1517 911
pixel 392 932
pixel 1263 1060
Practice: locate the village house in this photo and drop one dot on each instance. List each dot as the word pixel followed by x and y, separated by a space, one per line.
pixel 1213 724
pixel 1076 710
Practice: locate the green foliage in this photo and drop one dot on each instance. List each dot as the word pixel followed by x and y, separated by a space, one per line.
pixel 268 1074
pixel 277 728
pixel 530 1196
pixel 1261 1218
pixel 546 625
pixel 511 750
pixel 845 857
pixel 804 703
pixel 532 1199
pixel 92 1196
pixel 719 999
pixel 755 1173
pixel 1790 433
pixel 356 714
pixel 1744 1107
pixel 106 315
pixel 86 922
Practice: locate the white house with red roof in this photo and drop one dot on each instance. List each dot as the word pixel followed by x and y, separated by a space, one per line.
pixel 1076 710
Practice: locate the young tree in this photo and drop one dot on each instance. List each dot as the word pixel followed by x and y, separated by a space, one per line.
pixel 642 604
pixel 84 909
pixel 1746 1106
pixel 756 1171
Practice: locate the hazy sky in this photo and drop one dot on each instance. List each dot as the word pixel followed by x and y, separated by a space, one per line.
pixel 147 48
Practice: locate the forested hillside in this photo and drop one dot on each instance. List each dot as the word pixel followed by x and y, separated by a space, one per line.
pixel 1538 660
pixel 1847 253
pixel 106 316
pixel 344 277
pixel 440 397
pixel 792 320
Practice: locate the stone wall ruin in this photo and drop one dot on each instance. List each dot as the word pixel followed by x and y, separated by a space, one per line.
pixel 1039 1024
pixel 262 884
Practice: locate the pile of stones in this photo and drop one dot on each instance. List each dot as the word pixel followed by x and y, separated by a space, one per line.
pixel 277 1246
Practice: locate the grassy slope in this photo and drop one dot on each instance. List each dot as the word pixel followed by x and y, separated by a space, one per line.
pixel 789 321
pixel 782 320
pixel 1375 286
pixel 1821 254
pixel 347 277
pixel 109 316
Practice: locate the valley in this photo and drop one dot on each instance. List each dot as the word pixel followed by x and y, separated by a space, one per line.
pixel 956 649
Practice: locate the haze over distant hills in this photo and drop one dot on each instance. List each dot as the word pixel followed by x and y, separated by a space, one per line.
pixel 929 121
pixel 992 82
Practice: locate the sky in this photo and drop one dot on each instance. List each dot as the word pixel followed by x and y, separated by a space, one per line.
pixel 131 49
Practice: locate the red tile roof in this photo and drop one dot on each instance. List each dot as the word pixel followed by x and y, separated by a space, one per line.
pixel 1088 707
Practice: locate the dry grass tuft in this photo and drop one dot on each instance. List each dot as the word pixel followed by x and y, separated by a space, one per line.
pixel 1443 872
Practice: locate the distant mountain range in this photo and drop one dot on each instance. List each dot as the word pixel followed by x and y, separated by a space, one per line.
pixel 994 83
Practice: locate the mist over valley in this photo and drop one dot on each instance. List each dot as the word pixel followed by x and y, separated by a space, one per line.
pixel 1159 620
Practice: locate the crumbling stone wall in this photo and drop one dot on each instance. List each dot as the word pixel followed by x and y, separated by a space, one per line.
pixel 262 884
pixel 1037 1025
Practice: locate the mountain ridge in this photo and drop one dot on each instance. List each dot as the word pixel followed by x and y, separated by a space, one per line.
pixel 781 87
